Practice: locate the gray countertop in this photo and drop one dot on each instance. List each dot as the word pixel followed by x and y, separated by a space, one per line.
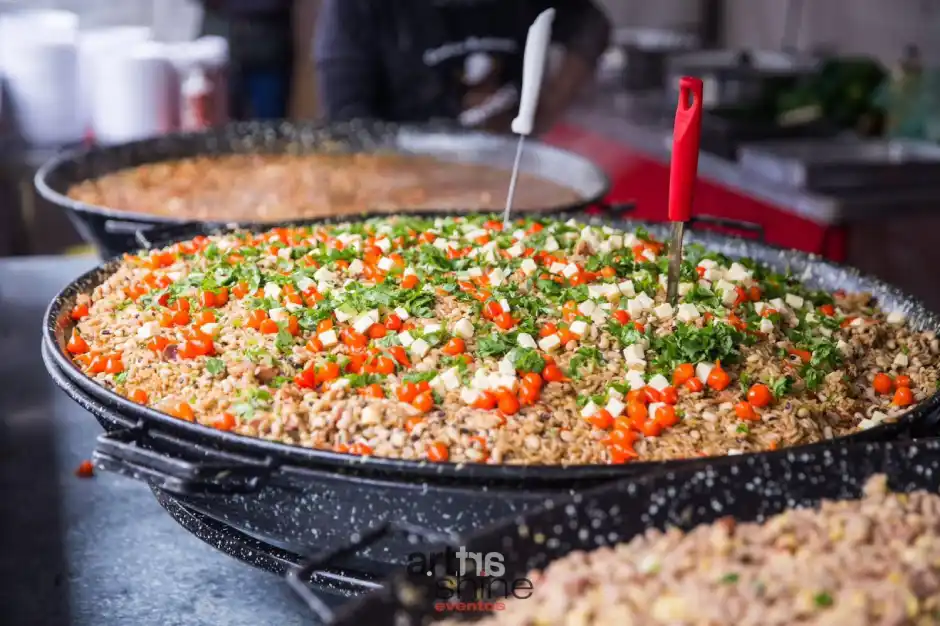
pixel 102 551
pixel 643 124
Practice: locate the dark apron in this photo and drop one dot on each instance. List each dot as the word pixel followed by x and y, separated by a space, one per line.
pixel 255 43
pixel 437 89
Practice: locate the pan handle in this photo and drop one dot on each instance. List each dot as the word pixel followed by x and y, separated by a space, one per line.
pixel 297 577
pixel 126 452
pixel 741 227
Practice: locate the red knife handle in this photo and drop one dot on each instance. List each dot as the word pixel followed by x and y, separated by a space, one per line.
pixel 685 148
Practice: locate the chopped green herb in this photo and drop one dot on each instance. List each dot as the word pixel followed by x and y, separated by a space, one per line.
pixel 823 599
pixel 215 366
pixel 730 579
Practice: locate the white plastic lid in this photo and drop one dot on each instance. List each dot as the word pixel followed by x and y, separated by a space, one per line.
pixel 211 50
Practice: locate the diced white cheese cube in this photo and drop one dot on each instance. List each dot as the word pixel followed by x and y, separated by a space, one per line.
pixel 702 370
pixel 384 245
pixel 284 253
pixel 708 263
pixel 626 288
pixel 857 322
pixel 293 306
pixel 442 244
pixel 549 343
pixel 385 264
pixel 895 317
pixel 684 288
pixel 599 316
pixel 279 314
pixel 635 379
pixel 431 328
pixel 506 368
pixel 901 360
pixel 615 407
pixel 728 293
pixel 328 338
pixel 406 339
pixel 586 308
pixel 738 272
pixel 596 291
pixel 687 312
pixel 578 328
pixel 304 283
pixel 759 307
pixel 713 274
pixel 362 324
pixel 497 276
pixel 148 330
pixel 469 396
pixel 570 270
pixel 518 234
pixel 613 393
pixel 502 381
pixel 844 348
pixel 419 348
pixel 557 268
pixel 630 240
pixel 464 328
pixel 209 328
pixel 551 245
pixel 504 304
pixel 778 305
pixel 794 300
pixel 341 316
pixel 401 313
pixel 528 267
pixel 475 272
pixel 645 301
pixel 437 384
pixel 408 271
pixel 634 354
pixel 589 409
pixel 525 340
pixel 648 254
pixel 481 379
pixel 766 326
pixel 658 382
pixel 323 275
pixel 515 250
pixel 273 291
pixel 616 242
pixel 664 311
pixel 355 267
pixel 451 379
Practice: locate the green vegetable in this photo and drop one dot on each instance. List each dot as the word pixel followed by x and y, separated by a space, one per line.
pixel 121 378
pixel 495 345
pixel 729 579
pixel 584 357
pixel 526 360
pixel 215 366
pixel 823 599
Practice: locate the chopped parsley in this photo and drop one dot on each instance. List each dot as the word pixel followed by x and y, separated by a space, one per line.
pixel 215 366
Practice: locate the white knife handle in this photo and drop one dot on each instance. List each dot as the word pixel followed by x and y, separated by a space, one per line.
pixel 533 68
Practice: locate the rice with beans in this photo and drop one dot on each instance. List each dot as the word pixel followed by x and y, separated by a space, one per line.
pixel 451 339
pixel 872 561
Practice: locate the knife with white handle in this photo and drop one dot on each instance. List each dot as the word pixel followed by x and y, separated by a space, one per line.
pixel 533 69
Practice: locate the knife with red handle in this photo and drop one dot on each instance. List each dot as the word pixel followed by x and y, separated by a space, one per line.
pixel 683 172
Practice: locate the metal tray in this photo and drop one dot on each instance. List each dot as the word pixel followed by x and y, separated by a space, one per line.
pixel 845 164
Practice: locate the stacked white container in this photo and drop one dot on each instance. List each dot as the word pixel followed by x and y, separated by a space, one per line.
pixel 94 45
pixel 202 67
pixel 39 60
pixel 135 93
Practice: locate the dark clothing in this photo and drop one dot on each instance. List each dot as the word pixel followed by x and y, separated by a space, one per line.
pixel 414 60
pixel 261 51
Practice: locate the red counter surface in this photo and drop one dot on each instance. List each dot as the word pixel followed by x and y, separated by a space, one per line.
pixel 639 178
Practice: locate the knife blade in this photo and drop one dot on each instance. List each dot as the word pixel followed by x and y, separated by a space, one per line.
pixel 675 262
pixel 683 171
pixel 533 69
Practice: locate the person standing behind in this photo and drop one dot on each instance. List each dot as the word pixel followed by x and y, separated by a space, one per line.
pixel 417 60
pixel 261 49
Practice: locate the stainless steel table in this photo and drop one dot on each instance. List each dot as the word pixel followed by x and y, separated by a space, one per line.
pixel 101 551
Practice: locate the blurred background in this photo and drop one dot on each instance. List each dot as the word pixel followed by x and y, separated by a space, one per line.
pixel 822 121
